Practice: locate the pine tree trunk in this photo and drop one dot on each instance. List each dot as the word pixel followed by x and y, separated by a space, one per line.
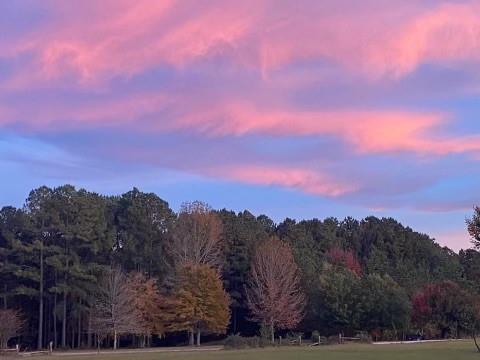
pixel 79 335
pixel 48 321
pixel 64 320
pixel 40 305
pixel 55 335
pixel 73 337
pixel 198 337
pixel 89 333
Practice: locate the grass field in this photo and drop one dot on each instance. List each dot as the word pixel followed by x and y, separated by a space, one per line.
pixel 436 351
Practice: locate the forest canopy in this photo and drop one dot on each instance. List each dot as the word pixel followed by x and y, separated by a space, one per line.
pixel 68 252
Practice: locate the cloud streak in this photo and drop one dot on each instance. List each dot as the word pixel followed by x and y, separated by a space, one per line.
pixel 305 180
pixel 364 103
pixel 124 38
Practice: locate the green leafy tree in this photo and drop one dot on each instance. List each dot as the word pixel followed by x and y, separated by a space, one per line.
pixel 383 305
pixel 334 300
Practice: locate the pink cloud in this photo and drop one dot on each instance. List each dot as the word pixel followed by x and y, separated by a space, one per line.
pixel 305 180
pixel 128 37
pixel 366 131
pixel 106 112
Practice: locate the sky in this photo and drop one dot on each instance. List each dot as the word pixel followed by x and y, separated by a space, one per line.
pixel 298 108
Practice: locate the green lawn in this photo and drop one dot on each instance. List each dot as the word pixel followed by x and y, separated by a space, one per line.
pixel 436 351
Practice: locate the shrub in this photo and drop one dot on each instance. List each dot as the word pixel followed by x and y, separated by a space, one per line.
pixel 240 342
pixel 364 337
pixel 235 342
pixel 333 339
pixel 254 342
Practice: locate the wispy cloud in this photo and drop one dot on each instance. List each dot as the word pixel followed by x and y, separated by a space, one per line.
pixel 336 99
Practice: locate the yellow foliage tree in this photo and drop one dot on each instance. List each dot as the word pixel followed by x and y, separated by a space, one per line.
pixel 199 304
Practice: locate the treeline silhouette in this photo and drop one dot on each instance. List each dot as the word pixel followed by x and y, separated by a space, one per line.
pixel 68 255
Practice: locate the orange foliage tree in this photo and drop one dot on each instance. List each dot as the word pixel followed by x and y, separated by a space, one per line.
pixel 147 300
pixel 199 303
pixel 274 293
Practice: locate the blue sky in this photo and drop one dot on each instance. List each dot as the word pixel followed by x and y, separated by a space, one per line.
pixel 300 109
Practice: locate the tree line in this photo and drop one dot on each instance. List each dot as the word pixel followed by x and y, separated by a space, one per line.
pixel 79 269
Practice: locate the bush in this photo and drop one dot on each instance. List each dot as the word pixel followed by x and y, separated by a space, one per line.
pixel 315 335
pixel 235 342
pixel 389 335
pixel 240 342
pixel 254 342
pixel 364 337
pixel 333 339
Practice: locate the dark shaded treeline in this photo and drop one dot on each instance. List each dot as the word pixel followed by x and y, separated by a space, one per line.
pixel 367 275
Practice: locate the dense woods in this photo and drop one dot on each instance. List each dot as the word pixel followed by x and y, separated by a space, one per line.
pixel 79 269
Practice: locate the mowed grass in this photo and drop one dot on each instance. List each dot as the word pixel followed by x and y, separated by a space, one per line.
pixel 463 350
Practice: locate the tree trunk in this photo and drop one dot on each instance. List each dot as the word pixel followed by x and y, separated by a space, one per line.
pixel 64 321
pixel 234 320
pixel 5 297
pixel 198 337
pixel 79 335
pixel 191 341
pixel 55 335
pixel 474 335
pixel 115 339
pixel 48 322
pixel 40 305
pixel 73 336
pixel 89 332
pixel 272 332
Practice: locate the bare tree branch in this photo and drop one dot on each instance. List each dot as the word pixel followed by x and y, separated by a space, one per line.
pixel 11 323
pixel 197 237
pixel 114 310
pixel 274 294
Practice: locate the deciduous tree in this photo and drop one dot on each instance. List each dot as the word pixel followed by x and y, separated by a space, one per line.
pixel 114 310
pixel 444 308
pixel 148 302
pixel 274 295
pixel 197 237
pixel 199 304
pixel 473 226
pixel 345 258
pixel 11 323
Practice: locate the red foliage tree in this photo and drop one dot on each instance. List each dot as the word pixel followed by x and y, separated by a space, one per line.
pixel 11 323
pixel 443 308
pixel 421 308
pixel 344 258
pixel 274 294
